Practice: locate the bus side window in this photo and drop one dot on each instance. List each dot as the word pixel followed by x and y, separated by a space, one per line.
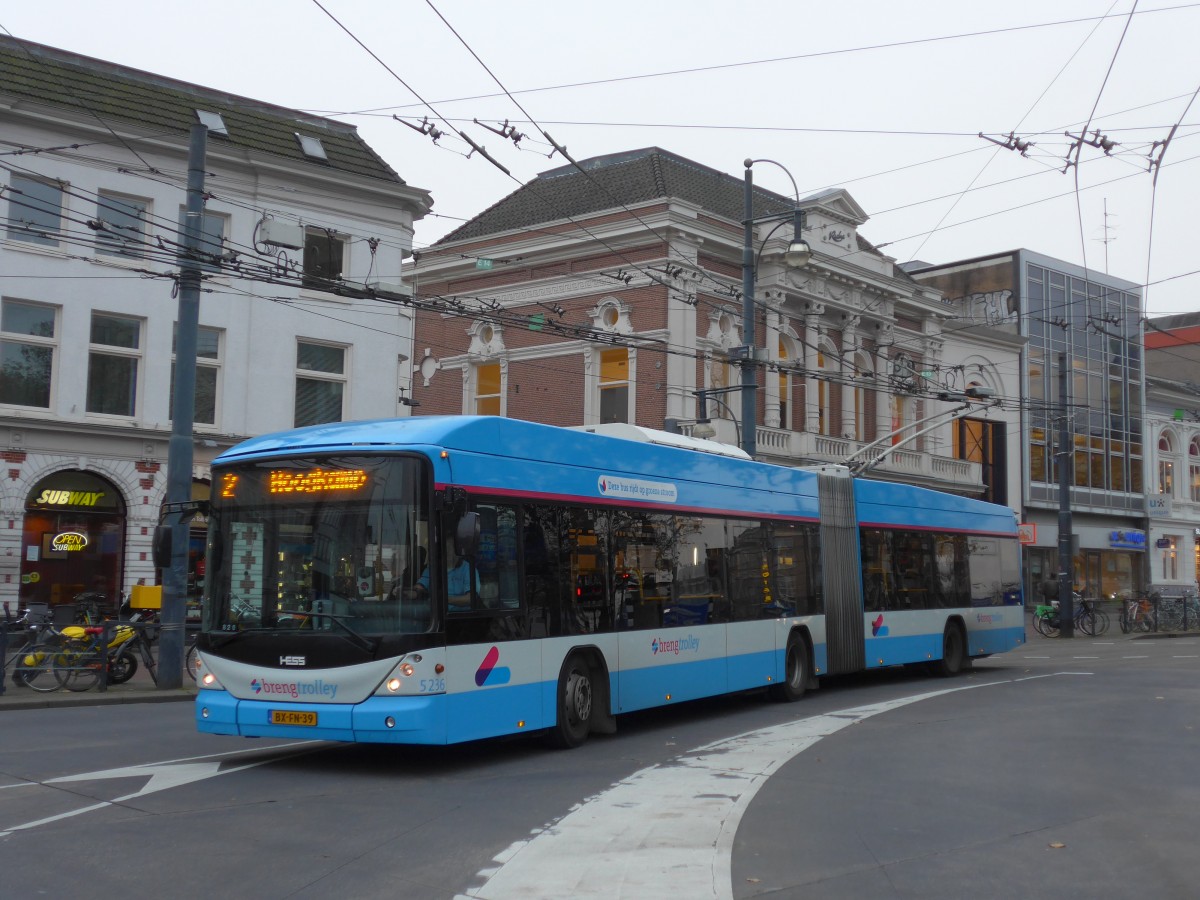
pixel 496 558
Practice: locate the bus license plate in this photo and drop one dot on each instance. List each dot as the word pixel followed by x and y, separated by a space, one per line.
pixel 293 717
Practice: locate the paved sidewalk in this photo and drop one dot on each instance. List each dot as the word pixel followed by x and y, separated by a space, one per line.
pixel 139 689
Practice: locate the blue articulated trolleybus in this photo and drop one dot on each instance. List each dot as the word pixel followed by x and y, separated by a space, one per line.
pixel 439 579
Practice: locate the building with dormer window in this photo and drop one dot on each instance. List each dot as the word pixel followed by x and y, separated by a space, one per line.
pixel 93 173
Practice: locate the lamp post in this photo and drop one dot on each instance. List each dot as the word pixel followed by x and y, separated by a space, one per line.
pixel 798 254
pixel 702 411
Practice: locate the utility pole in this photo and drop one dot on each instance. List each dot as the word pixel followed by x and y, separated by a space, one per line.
pixel 1066 470
pixel 749 367
pixel 183 412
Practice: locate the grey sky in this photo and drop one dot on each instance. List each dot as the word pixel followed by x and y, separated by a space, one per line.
pixel 897 125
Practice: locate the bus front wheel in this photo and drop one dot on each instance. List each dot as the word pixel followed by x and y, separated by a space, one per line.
pixel 954 652
pixel 795 672
pixel 575 697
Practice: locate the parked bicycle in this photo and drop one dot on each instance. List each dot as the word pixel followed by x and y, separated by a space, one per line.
pixel 38 626
pixel 1139 613
pixel 76 658
pixel 1088 617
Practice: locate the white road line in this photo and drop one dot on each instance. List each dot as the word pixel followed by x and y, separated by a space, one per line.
pixel 1085 657
pixel 162 776
pixel 1135 657
pixel 666 826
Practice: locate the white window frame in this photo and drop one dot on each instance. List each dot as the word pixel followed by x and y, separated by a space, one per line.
pixel 332 234
pixel 136 354
pixel 630 383
pixel 51 343
pixel 214 363
pixel 111 243
pixel 205 243
pixel 342 377
pixel 475 396
pixel 30 235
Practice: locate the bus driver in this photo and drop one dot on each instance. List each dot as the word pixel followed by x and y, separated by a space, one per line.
pixel 458 584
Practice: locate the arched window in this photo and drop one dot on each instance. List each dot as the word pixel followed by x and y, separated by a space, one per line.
pixel 1166 464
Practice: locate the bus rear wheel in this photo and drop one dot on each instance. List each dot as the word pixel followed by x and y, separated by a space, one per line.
pixel 575 697
pixel 954 652
pixel 795 672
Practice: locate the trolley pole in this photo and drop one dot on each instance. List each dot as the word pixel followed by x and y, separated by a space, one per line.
pixel 183 412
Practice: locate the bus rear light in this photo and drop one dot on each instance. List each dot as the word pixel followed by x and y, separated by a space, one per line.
pixel 406 670
pixel 209 679
pixel 439 668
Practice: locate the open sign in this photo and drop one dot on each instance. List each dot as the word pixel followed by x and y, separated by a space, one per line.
pixel 69 541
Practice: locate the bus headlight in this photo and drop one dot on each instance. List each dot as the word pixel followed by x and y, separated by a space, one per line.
pixel 393 684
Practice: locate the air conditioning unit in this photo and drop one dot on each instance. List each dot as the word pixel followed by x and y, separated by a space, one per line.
pixel 281 234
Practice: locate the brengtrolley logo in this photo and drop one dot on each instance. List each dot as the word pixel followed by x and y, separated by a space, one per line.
pixel 636 489
pixel 689 644
pixel 295 689
pixel 878 629
pixel 489 673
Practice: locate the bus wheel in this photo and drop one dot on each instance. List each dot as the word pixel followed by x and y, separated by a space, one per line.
pixel 795 678
pixel 574 705
pixel 954 652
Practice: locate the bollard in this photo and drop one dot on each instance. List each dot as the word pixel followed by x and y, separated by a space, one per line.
pixel 106 625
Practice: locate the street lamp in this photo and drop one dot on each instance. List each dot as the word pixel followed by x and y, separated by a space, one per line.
pixel 797 255
pixel 704 428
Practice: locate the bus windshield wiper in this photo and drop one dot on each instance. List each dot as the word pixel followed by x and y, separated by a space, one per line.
pixel 363 642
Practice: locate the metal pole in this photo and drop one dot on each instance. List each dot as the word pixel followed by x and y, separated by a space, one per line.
pixel 749 369
pixel 1066 469
pixel 179 454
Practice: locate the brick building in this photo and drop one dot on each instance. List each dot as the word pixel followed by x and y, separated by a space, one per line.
pixel 610 291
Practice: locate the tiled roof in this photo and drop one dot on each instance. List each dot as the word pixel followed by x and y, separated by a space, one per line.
pixel 618 179
pixel 117 95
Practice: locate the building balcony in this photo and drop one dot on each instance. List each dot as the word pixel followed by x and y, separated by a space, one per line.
pixel 803 448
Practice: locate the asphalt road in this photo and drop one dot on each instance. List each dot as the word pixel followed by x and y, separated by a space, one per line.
pixel 1063 770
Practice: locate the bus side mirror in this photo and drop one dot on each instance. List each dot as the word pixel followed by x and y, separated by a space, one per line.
pixel 162 547
pixel 466 535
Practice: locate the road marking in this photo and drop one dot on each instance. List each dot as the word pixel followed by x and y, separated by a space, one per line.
pixel 1185 656
pixel 162 776
pixel 667 825
pixel 1035 657
pixel 1085 657
pixel 1135 657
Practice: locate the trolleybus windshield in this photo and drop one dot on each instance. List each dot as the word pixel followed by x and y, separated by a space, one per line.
pixel 328 543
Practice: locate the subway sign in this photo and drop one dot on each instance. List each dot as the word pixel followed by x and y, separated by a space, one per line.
pixel 69 542
pixel 70 498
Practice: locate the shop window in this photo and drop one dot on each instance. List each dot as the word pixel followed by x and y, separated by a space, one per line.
pixel 34 210
pixel 28 343
pixel 113 360
pixel 320 383
pixel 208 370
pixel 123 225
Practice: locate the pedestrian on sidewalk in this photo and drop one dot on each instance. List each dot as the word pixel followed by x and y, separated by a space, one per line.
pixel 1050 588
